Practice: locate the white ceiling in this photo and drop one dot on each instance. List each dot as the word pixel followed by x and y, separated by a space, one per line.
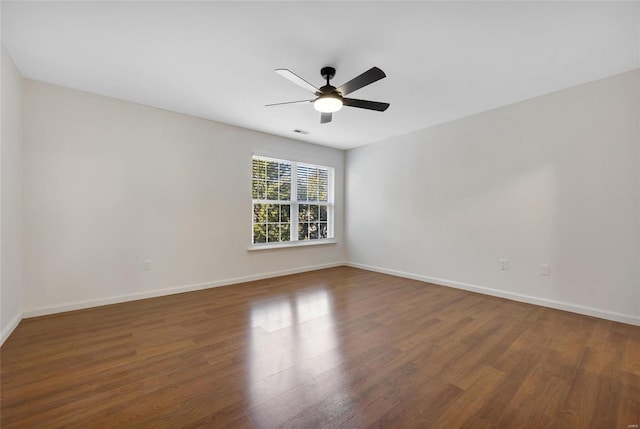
pixel 215 60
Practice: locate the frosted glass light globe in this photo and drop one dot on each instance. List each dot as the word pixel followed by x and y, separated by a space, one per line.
pixel 327 104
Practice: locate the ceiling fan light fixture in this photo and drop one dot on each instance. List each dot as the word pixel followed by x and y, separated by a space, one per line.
pixel 327 104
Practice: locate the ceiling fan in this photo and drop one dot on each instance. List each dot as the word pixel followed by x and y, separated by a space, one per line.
pixel 330 99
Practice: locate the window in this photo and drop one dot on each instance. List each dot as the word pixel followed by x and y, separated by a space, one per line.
pixel 291 201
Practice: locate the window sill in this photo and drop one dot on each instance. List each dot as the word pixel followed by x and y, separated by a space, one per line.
pixel 289 244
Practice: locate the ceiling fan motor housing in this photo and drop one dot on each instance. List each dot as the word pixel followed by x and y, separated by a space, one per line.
pixel 329 90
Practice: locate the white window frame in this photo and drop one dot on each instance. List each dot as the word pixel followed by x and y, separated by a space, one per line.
pixel 294 206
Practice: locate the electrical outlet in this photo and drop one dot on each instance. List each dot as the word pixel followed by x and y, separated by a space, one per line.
pixel 147 264
pixel 504 264
pixel 545 270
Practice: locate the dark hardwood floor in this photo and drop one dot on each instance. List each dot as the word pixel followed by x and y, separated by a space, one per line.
pixel 337 348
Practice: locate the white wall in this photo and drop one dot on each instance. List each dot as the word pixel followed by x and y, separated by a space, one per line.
pixel 109 184
pixel 10 196
pixel 552 180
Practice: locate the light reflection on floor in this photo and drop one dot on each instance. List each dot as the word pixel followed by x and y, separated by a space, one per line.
pixel 293 342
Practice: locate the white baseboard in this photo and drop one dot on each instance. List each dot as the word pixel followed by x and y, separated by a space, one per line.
pixel 13 324
pixel 559 305
pixel 79 305
pixel 589 311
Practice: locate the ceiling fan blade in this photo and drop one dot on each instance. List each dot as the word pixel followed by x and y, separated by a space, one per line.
pixel 325 117
pixel 288 74
pixel 288 102
pixel 365 104
pixel 370 76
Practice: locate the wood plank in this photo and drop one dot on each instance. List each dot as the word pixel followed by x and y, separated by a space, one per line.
pixel 334 348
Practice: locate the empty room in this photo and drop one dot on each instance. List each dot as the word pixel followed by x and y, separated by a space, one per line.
pixel 320 214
